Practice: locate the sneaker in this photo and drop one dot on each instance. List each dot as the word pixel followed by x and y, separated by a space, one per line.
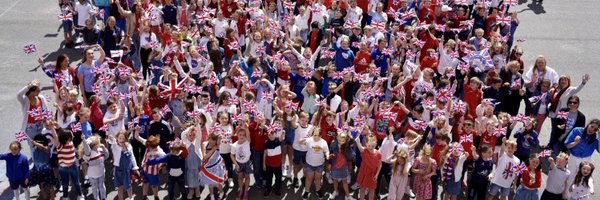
pixel 305 195
pixel 295 183
pixel 221 195
pixel 81 197
pixel 267 193
pixel 320 194
pixel 284 172
pixel 212 197
pixel 190 195
pixel 355 186
pixel 156 197
pixel 288 171
pixel 333 195
pixel 86 183
pixel 410 193
pixel 329 179
pixel 230 183
pixel 349 197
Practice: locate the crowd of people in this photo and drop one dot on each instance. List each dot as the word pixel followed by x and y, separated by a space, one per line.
pixel 380 98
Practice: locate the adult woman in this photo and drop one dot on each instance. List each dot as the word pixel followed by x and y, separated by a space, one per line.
pixel 558 101
pixel 582 142
pixel 111 35
pixel 564 125
pixel 32 101
pixel 85 74
pixel 534 76
pixel 61 72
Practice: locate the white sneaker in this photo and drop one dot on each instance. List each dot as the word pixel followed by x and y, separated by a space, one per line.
pixel 212 197
pixel 230 182
pixel 333 195
pixel 288 171
pixel 355 186
pixel 190 195
pixel 349 197
pixel 284 172
pixel 221 195
pixel 81 197
pixel 329 179
pixel 410 193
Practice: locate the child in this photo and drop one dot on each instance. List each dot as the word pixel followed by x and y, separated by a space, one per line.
pixel 225 130
pixel 532 180
pixel 583 186
pixel 479 177
pixel 369 168
pixel 437 153
pixel 503 176
pixel 42 173
pixel 341 155
pixel 192 141
pixel 67 160
pixel 558 175
pixel 452 171
pixel 240 155
pixel 124 163
pixel 303 130
pixel 17 169
pixel 96 153
pixel 424 168
pixel 316 155
pixel 273 159
pixel 213 172
pixel 400 170
pixel 175 162
pixel 150 172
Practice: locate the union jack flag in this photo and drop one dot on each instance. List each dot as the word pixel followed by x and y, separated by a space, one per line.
pixel 21 136
pixel 210 107
pixel 562 115
pixel 175 142
pixel 360 77
pixel 521 118
pixel 499 131
pixel 267 94
pixel 356 44
pixel 410 13
pixel 454 54
pixel 104 79
pixel 215 128
pixel 509 2
pixel 359 121
pixel 466 138
pixel 165 110
pixel 237 118
pixel 520 169
pixel 378 25
pixel 113 92
pixel 29 49
pixel 328 54
pixel 99 12
pixel 307 74
pixel 261 49
pixel 193 114
pixel 76 127
pixel 209 10
pixel 196 90
pixel 133 122
pixel 321 103
pixel 173 88
pixel 422 125
pixel 410 55
pixel 388 51
pixel 67 17
pixel 233 45
pixel 545 153
pixel 420 43
pixel 350 24
pixel 289 5
pixel 443 95
pixel 460 106
pixel 456 149
pixel 272 128
pixel 116 53
pixel 104 127
pixel 203 17
pixel 123 71
pixel 521 40
pixel 503 20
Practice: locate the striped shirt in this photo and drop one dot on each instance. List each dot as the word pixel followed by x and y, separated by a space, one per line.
pixel 66 155
pixel 150 155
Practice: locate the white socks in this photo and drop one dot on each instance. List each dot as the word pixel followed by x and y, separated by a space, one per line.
pixel 17 193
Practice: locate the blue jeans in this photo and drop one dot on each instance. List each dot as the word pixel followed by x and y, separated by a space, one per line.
pixel 65 173
pixel 32 130
pixel 257 161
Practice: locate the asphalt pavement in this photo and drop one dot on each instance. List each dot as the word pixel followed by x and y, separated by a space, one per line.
pixel 566 32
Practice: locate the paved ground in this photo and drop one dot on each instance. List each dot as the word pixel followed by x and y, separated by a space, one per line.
pixel 565 31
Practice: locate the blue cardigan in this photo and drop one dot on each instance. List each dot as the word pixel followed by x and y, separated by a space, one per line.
pixel 17 167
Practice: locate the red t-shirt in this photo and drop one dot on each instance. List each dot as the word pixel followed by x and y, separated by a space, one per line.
pixel 468 145
pixel 429 62
pixel 228 52
pixel 473 98
pixel 228 8
pixel 275 160
pixel 258 137
pixel 314 35
pixel 30 119
pixel 157 101
pixel 328 132
pixel 489 139
pixel 436 152
pixel 362 61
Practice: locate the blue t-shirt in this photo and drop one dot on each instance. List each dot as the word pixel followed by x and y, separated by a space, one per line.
pixel 17 167
pixel 298 83
pixel 584 149
pixel 380 59
pixel 344 58
pixel 88 75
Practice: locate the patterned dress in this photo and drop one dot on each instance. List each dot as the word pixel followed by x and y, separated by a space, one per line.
pixel 212 171
pixel 422 186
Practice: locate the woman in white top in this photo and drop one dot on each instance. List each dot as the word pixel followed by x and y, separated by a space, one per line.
pixel 316 154
pixel 563 92
pixel 539 72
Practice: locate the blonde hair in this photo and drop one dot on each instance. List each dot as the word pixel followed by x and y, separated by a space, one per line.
pixel 511 142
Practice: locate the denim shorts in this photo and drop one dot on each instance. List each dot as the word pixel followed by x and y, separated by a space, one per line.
pixel 317 169
pixel 494 189
pixel 245 168
pixel 299 157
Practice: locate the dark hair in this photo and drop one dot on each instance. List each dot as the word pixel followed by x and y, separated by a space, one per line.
pixel 484 148
pixel 314 24
pixel 535 155
pixel 39 138
pixel 32 89
pixel 64 136
pixel 580 179
pixel 60 59
pixel 574 98
pixel 110 102
pixel 585 135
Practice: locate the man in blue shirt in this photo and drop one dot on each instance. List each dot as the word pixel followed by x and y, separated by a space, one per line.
pixel 582 142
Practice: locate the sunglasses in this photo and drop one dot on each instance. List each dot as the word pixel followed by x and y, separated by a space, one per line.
pixel 573 102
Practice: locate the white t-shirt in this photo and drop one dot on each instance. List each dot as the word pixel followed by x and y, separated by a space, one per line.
pixel 226 133
pixel 505 173
pixel 220 27
pixel 354 14
pixel 115 126
pixel 301 133
pixel 241 151
pixel 83 12
pixel 315 156
pixel 556 180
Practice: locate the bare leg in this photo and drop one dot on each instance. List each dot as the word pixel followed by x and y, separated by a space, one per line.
pixel 308 181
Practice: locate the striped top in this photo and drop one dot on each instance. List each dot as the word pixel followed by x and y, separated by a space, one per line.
pixel 150 155
pixel 66 155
